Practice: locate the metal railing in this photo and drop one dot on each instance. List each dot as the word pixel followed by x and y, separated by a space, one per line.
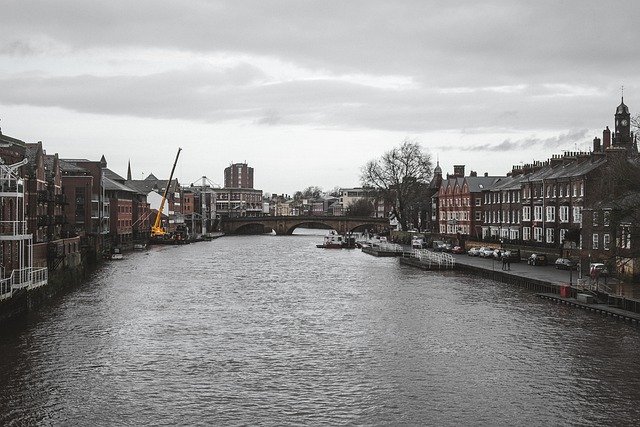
pixel 387 247
pixel 29 277
pixel 13 228
pixel 440 260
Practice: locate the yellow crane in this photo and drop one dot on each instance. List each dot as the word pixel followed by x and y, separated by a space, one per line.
pixel 156 228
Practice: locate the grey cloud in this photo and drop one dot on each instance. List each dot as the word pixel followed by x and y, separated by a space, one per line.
pixel 562 141
pixel 245 93
pixel 495 42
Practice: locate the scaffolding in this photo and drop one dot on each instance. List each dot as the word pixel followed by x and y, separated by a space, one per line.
pixel 16 245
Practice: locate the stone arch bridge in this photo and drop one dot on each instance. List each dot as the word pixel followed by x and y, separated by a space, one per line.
pixel 284 225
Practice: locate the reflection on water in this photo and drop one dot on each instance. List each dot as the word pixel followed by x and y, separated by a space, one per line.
pixel 272 330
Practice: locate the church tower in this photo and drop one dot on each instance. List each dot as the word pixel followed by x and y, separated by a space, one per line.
pixel 622 136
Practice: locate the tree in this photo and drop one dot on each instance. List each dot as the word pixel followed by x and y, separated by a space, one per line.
pixel 361 207
pixel 400 175
pixel 311 192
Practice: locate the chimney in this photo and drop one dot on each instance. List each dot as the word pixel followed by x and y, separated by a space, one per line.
pixel 486 174
pixel 458 171
pixel 556 160
pixel 606 138
pixel 597 145
pixel 473 173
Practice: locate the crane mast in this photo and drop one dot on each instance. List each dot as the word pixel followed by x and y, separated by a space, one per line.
pixel 156 229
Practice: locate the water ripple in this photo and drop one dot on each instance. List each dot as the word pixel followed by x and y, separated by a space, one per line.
pixel 267 330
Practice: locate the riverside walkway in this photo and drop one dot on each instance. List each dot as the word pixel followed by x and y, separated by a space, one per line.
pixel 610 297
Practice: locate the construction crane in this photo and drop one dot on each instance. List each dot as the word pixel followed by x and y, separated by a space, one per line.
pixel 156 228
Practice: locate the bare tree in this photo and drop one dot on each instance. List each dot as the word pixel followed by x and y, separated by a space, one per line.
pixel 400 174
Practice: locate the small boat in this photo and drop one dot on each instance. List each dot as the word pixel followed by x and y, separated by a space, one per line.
pixel 334 240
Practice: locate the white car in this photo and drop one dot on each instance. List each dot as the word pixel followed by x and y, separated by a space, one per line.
pixel 486 252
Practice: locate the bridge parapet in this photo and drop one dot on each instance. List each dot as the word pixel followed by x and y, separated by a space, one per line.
pixel 285 225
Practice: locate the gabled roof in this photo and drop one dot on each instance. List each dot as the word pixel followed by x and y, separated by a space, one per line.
pixel 112 175
pixel 4 139
pixel 110 184
pixel 477 184
pixel 71 168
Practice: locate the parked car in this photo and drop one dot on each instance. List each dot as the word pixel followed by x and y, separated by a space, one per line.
pixel 599 269
pixel 438 245
pixel 513 255
pixel 475 251
pixel 447 247
pixel 457 250
pixel 537 259
pixel 566 264
pixel 486 252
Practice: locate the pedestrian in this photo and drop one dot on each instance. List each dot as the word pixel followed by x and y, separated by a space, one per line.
pixel 508 263
pixel 504 262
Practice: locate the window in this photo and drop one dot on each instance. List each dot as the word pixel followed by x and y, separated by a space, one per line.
pixel 606 218
pixel 563 232
pixel 478 215
pixel 577 214
pixel 594 244
pixel 606 242
pixel 595 218
pixel 551 213
pixel 625 237
pixel 478 201
pixel 537 234
pixel 526 213
pixel 550 233
pixel 526 233
pixel 564 213
pixel 537 213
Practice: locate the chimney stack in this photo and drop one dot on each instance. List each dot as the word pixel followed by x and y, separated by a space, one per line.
pixel 597 146
pixel 606 138
pixel 458 171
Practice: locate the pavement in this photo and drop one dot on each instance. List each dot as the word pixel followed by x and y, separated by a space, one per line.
pixel 549 273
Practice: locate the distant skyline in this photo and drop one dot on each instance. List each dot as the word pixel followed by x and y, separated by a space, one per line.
pixel 307 92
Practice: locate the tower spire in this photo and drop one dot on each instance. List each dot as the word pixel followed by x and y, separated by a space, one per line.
pixel 129 171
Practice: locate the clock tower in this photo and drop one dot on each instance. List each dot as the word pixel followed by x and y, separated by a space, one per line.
pixel 622 135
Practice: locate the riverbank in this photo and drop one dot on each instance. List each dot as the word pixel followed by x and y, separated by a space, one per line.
pixel 22 301
pixel 609 298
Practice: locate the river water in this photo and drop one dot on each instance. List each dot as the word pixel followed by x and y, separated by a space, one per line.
pixel 270 330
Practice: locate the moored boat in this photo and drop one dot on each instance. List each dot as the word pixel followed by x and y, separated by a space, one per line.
pixel 334 240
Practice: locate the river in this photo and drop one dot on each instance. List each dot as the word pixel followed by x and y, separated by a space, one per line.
pixel 270 330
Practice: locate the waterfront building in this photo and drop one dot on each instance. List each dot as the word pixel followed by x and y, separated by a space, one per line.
pixel 199 208
pixel 238 198
pixel 97 229
pixel 460 203
pixel 16 242
pixel 53 243
pixel 502 206
pixel 238 175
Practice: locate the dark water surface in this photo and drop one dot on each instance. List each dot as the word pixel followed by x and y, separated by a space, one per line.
pixel 271 330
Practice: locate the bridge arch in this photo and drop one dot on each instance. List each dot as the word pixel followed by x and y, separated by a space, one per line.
pixel 285 225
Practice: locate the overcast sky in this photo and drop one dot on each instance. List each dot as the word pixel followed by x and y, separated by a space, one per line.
pixel 307 91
